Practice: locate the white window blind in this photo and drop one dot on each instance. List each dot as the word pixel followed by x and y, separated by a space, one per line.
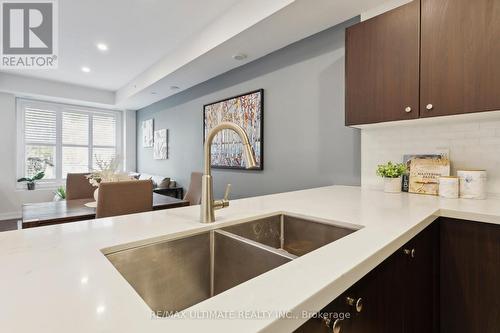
pixel 40 142
pixel 60 139
pixel 103 143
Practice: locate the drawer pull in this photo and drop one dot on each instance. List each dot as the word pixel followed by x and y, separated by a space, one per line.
pixel 412 253
pixel 356 303
pixel 335 325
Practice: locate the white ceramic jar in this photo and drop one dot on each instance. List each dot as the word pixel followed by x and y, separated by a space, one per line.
pixel 472 184
pixel 448 187
pixel 392 185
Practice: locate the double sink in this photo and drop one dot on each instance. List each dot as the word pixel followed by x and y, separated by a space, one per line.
pixel 173 275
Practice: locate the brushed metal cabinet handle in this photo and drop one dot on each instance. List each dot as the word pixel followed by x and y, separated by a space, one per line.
pixel 412 253
pixel 337 326
pixel 356 303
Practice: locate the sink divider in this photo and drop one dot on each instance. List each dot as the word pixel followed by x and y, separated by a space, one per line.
pixel 279 252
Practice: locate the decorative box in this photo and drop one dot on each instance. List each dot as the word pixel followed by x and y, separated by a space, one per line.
pixel 448 187
pixel 425 173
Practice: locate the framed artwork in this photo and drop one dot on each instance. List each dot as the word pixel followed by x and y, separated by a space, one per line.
pixel 147 133
pixel 160 149
pixel 246 110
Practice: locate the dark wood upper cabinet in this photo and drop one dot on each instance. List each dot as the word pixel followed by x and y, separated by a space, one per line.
pixel 382 67
pixel 439 57
pixel 460 56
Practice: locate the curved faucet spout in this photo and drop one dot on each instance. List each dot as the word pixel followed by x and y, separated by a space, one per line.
pixel 248 154
pixel 208 205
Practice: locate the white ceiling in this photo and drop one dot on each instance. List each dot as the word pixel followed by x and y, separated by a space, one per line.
pixel 156 44
pixel 138 33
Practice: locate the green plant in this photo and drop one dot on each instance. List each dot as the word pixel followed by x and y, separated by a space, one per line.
pixel 61 192
pixel 33 179
pixel 391 170
pixel 37 164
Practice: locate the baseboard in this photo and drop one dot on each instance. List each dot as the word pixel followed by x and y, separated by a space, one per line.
pixel 10 216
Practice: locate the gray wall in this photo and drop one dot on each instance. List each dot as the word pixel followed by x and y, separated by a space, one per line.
pixel 305 142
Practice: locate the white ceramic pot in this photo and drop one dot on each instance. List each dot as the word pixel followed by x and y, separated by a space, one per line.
pixel 472 184
pixel 96 194
pixel 392 185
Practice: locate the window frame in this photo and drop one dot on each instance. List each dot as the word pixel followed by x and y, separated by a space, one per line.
pixel 59 108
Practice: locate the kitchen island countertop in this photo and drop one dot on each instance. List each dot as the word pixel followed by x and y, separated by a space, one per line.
pixel 57 279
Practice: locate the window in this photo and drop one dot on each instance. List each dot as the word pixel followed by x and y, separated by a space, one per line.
pixel 60 139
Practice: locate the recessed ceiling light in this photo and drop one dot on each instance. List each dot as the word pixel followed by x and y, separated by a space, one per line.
pixel 102 47
pixel 240 56
pixel 174 88
pixel 85 69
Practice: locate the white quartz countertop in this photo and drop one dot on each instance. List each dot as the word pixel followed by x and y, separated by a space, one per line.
pixel 56 279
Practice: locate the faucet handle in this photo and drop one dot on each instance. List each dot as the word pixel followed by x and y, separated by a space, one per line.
pixel 223 203
pixel 228 191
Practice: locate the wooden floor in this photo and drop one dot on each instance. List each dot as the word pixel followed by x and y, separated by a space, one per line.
pixel 7 225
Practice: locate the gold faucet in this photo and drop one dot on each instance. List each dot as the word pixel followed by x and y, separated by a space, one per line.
pixel 208 204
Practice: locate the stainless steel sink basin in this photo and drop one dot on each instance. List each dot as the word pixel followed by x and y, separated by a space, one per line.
pixel 294 235
pixel 173 275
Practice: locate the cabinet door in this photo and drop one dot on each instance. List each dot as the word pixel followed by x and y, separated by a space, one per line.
pixel 382 67
pixel 401 294
pixel 460 57
pixel 383 304
pixel 470 277
pixel 422 282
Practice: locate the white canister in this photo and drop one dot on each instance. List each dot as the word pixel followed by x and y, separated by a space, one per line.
pixel 448 187
pixel 392 185
pixel 472 184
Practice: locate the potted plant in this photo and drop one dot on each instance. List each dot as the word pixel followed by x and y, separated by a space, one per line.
pixel 107 171
pixel 391 172
pixel 30 182
pixel 60 194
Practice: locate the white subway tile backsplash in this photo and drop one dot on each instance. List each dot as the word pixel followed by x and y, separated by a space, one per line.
pixel 481 133
pixel 490 141
pixel 490 124
pixel 466 126
pixel 472 144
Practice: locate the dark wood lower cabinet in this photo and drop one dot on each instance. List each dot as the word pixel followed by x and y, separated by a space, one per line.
pixel 470 277
pixel 400 295
pixel 381 291
pixel 422 282
pixel 445 280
